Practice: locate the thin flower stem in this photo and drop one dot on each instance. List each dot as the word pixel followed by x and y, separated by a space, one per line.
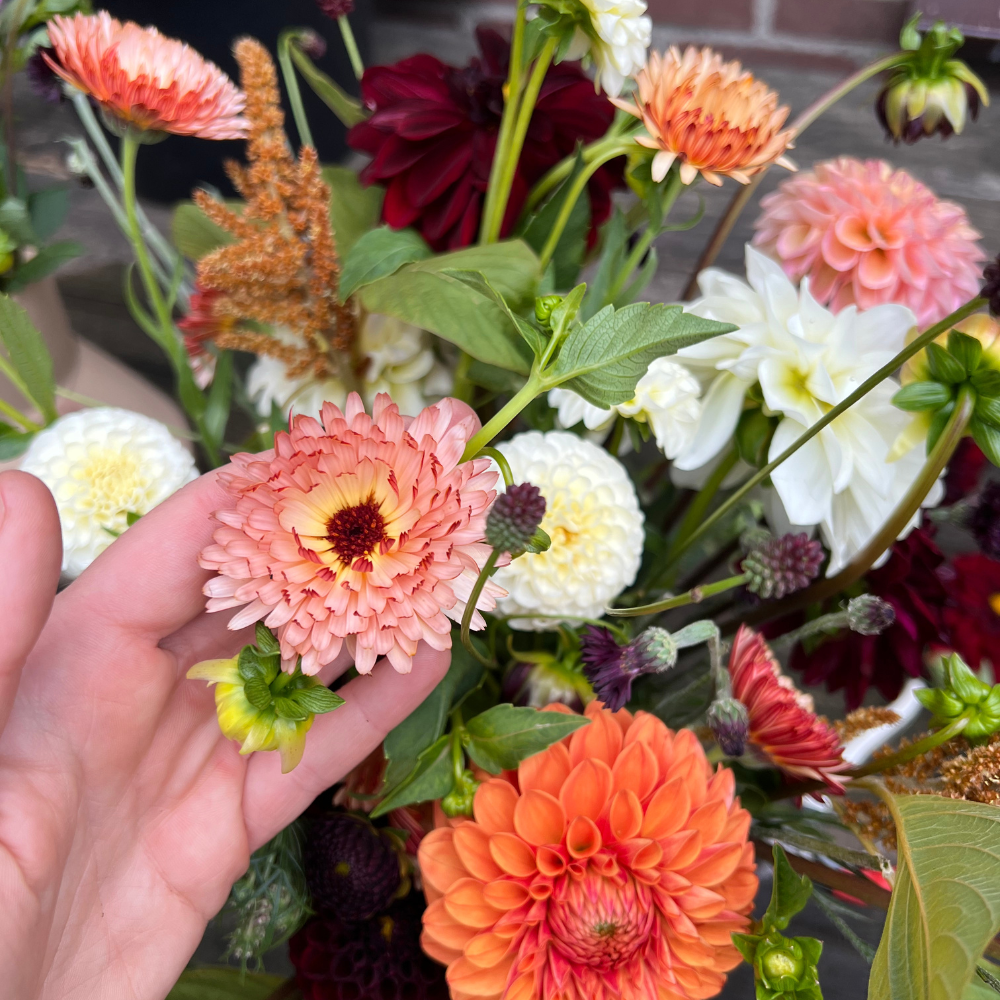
pixel 15 414
pixel 696 511
pixel 746 191
pixel 498 457
pixel 518 402
pixel 285 41
pixel 914 750
pixel 927 337
pixel 694 596
pixel 470 606
pixel 350 43
pixel 614 443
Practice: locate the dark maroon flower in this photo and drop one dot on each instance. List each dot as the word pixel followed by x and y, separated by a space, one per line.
pixel 964 470
pixel 433 131
pixel 378 958
pixel 336 8
pixel 984 520
pixel 972 617
pixel 911 582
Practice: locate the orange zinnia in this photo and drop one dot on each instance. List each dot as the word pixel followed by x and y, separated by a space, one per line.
pixel 614 865
pixel 144 79
pixel 713 117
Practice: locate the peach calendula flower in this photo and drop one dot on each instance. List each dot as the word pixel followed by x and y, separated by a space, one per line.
pixel 784 729
pixel 359 528
pixel 616 867
pixel 145 80
pixel 711 116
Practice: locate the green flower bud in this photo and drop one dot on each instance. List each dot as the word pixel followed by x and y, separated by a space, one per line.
pixel 784 968
pixel 458 802
pixel 545 306
pixel 964 695
pixel 730 724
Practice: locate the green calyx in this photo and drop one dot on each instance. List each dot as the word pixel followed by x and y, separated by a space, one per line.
pixel 784 968
pixel 458 802
pixel 963 695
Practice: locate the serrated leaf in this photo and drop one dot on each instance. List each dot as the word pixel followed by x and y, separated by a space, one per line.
pixel 257 692
pixel 12 442
pixel 193 232
pixel 224 984
pixel 287 708
pixel 605 358
pixel 29 356
pixel 47 261
pixel 354 209
pixel 430 779
pixel 922 396
pixel 790 891
pixel 965 349
pixel 379 253
pixel 945 906
pixel 944 367
pixel 319 700
pixel 502 736
pixel 530 334
pixel 266 640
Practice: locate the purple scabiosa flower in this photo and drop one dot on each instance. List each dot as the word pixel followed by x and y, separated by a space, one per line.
pixel 611 668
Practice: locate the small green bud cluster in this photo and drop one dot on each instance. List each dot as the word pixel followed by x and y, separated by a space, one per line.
pixel 458 802
pixel 963 695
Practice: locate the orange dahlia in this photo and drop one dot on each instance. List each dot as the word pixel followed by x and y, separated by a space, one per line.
pixel 615 864
pixel 364 529
pixel 713 117
pixel 784 729
pixel 144 79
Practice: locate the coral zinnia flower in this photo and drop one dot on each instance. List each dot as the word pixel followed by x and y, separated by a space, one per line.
pixel 616 866
pixel 866 234
pixel 709 114
pixel 144 79
pixel 364 528
pixel 784 729
pixel 434 129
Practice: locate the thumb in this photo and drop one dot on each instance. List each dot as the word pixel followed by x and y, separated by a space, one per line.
pixel 30 557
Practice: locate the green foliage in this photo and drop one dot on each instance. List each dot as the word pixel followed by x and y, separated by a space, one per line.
pixel 789 894
pixel 48 260
pixel 224 984
pixel 945 906
pixel 348 109
pixel 12 442
pixel 432 778
pixel 29 357
pixel 194 233
pixel 501 737
pixel 379 253
pixel 964 695
pixel 922 396
pixel 353 209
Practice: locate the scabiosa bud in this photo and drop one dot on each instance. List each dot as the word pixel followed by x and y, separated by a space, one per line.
pixel 869 614
pixel 983 520
pixel 336 8
pixel 730 724
pixel 611 668
pixel 991 286
pixel 312 43
pixel 514 518
pixel 780 566
pixel 352 869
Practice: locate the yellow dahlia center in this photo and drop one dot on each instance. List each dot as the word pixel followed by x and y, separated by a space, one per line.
pixel 112 477
pixel 356 531
pixel 599 923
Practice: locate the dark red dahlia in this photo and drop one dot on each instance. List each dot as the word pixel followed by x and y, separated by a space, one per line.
pixel 379 958
pixel 964 470
pixel 912 583
pixel 434 128
pixel 972 617
pixel 984 520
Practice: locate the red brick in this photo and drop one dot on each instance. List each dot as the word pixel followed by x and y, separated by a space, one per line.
pixel 732 14
pixel 875 21
pixel 977 18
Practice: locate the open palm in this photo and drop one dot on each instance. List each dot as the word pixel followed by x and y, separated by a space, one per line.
pixel 125 816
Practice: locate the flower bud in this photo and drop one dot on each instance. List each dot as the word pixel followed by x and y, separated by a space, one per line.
pixel 545 680
pixel 611 668
pixel 458 802
pixel 869 614
pixel 336 8
pixel 514 519
pixel 730 724
pixel 545 306
pixel 311 43
pixel 784 968
pixel 652 652
pixel 963 695
pixel 780 566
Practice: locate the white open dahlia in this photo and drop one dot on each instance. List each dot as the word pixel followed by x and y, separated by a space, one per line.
pixel 103 465
pixel 592 516
pixel 620 35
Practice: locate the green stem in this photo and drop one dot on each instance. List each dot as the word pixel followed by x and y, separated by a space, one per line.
pixel 498 457
pixel 615 442
pixel 457 756
pixel 14 414
pixel 350 43
pixel 507 413
pixel 696 511
pixel 927 337
pixel 285 41
pixel 914 750
pixel 694 596
pixel 470 606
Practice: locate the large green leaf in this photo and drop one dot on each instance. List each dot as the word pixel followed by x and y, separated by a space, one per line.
pixel 510 267
pixel 946 902
pixel 224 984
pixel 29 356
pixel 193 232
pixel 379 253
pixel 603 359
pixel 47 261
pixel 502 736
pixel 432 779
pixel 353 209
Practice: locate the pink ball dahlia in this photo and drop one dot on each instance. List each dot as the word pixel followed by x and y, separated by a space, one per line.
pixel 865 234
pixel 144 79
pixel 359 528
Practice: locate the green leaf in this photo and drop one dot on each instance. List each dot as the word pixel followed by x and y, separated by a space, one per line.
pixel 965 349
pixel 945 906
pixel 988 410
pixel 922 396
pixel 431 778
pixel 353 209
pixel 131 517
pixel 29 356
pixel 944 367
pixel 47 210
pixel 530 334
pixel 48 260
pixel 493 378
pixel 266 641
pixel 380 252
pixel 986 382
pixel 287 708
pixel 252 663
pixel 219 398
pixel 988 439
pixel 789 894
pixel 605 358
pixel 348 109
pixel 612 260
pixel 502 736
pixel 510 267
pixel 194 233
pixel 319 700
pixel 12 442
pixel 14 218
pixel 257 692
pixel 224 984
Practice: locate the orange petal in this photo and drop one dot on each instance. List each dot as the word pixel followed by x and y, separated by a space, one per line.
pixel 625 816
pixel 523 988
pixel 650 730
pixel 604 865
pixel 505 895
pixel 472 844
pixel 586 790
pixel 722 785
pixel 494 805
pixel 739 890
pixel 715 864
pixel 439 861
pixel 512 854
pixel 540 890
pixel 437 951
pixel 583 838
pixel 558 706
pixel 545 771
pixel 641 853
pixel 538 818
pixel 444 928
pixel 680 850
pixel 550 862
pixel 667 811
pixel 737 826
pixel 469 978
pixel 700 903
pixel 486 950
pixel 466 903
pixel 692 952
pixel 710 819
pixel 637 770
pixel 601 740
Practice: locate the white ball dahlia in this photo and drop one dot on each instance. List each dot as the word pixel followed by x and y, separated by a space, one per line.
pixel 102 465
pixel 592 516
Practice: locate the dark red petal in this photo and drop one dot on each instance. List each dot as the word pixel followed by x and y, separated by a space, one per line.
pixel 397 210
pixel 441 165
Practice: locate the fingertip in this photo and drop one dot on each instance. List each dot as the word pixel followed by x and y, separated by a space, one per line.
pixel 30 534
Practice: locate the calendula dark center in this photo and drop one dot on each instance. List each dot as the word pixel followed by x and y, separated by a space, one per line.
pixel 356 531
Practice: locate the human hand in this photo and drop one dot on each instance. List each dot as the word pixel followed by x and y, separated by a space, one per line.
pixel 125 816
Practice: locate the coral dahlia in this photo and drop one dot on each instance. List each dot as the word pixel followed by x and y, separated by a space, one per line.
pixel 144 79
pixel 616 866
pixel 358 528
pixel 784 729
pixel 867 234
pixel 712 116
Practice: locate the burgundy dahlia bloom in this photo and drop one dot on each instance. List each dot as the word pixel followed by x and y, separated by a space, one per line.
pixel 972 617
pixel 433 131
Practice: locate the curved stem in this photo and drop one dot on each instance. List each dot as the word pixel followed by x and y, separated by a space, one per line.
pixel 285 41
pixel 14 414
pixel 914 750
pixel 694 596
pixel 352 48
pixel 927 337
pixel 498 457
pixel 518 402
pixel 470 606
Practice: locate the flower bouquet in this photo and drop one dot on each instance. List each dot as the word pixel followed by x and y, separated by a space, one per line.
pixel 444 419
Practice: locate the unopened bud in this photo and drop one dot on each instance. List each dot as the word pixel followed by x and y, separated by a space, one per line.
pixel 654 651
pixel 545 306
pixel 730 724
pixel 780 566
pixel 869 615
pixel 458 802
pixel 515 518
